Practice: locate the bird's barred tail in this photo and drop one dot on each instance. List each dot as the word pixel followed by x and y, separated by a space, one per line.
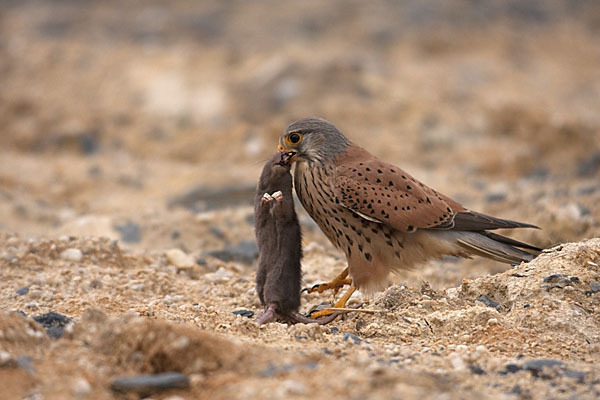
pixel 496 247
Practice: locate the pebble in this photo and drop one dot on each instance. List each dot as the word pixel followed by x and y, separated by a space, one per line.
pixel 221 275
pixel 5 358
pixel 25 363
pixel 148 384
pixel 351 336
pixel 294 387
pixel 244 313
pixel 537 366
pixel 488 302
pixel 23 290
pixel 71 255
pixel 595 286
pixel 477 370
pixel 553 277
pixel 589 166
pixel 130 232
pixel 457 363
pixel 81 387
pixel 179 259
pixel 54 323
pixel 246 251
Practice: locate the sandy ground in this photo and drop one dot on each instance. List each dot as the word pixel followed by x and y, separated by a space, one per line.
pixel 131 138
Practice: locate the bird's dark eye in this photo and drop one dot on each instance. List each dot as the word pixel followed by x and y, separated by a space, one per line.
pixel 294 138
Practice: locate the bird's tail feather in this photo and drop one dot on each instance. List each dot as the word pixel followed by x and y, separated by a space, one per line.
pixel 496 247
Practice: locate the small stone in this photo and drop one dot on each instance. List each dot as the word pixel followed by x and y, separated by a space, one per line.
pixel 553 277
pixel 221 275
pixel 512 368
pixel 54 323
pixel 181 343
pixel 130 232
pixel 488 302
pixel 590 165
pixel 351 336
pixel 179 259
pixel 476 370
pixel 23 290
pixel 457 363
pixel 294 387
pixel 495 197
pixel 71 255
pixel 492 322
pixel 246 251
pixel 244 313
pixel 537 366
pixel 81 387
pixel 595 286
pixel 25 363
pixel 148 384
pixel 5 358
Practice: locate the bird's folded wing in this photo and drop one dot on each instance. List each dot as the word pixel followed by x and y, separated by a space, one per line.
pixel 384 193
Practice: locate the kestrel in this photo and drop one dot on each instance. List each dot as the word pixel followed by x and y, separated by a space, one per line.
pixel 381 217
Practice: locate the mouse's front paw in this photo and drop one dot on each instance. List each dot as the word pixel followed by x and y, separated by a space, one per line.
pixel 277 196
pixel 266 198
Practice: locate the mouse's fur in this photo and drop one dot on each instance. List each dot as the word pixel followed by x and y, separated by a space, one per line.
pixel 279 241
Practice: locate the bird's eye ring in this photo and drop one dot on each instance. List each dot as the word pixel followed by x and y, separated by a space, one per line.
pixel 294 138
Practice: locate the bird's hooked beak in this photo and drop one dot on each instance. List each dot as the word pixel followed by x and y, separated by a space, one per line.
pixel 287 156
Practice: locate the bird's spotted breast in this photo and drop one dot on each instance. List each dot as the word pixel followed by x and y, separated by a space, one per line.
pixel 359 238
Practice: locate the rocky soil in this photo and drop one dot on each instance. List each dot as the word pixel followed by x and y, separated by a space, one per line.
pixel 131 138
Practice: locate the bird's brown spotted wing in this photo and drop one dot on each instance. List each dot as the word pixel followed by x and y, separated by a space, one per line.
pixel 383 192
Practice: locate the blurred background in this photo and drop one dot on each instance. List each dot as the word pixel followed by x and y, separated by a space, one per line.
pixel 149 121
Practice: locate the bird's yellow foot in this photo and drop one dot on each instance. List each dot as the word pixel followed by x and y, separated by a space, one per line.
pixel 336 284
pixel 340 304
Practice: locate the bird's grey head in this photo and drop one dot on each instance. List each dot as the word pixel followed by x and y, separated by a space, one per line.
pixel 312 139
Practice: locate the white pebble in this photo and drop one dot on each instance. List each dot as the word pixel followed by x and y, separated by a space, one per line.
pixel 181 343
pixel 81 387
pixel 457 363
pixel 71 255
pixel 174 397
pixel 179 259
pixel 294 387
pixel 221 275
pixel 4 357
pixel 492 322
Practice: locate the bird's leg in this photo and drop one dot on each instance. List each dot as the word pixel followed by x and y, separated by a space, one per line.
pixel 336 284
pixel 340 304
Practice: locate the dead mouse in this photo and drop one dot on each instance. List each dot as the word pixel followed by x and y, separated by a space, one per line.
pixel 279 241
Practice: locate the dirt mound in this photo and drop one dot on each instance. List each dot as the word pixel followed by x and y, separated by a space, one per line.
pixel 532 328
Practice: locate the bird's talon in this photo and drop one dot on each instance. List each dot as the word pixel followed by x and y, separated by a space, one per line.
pixel 318 314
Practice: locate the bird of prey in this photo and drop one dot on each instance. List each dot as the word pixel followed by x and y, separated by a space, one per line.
pixel 381 217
